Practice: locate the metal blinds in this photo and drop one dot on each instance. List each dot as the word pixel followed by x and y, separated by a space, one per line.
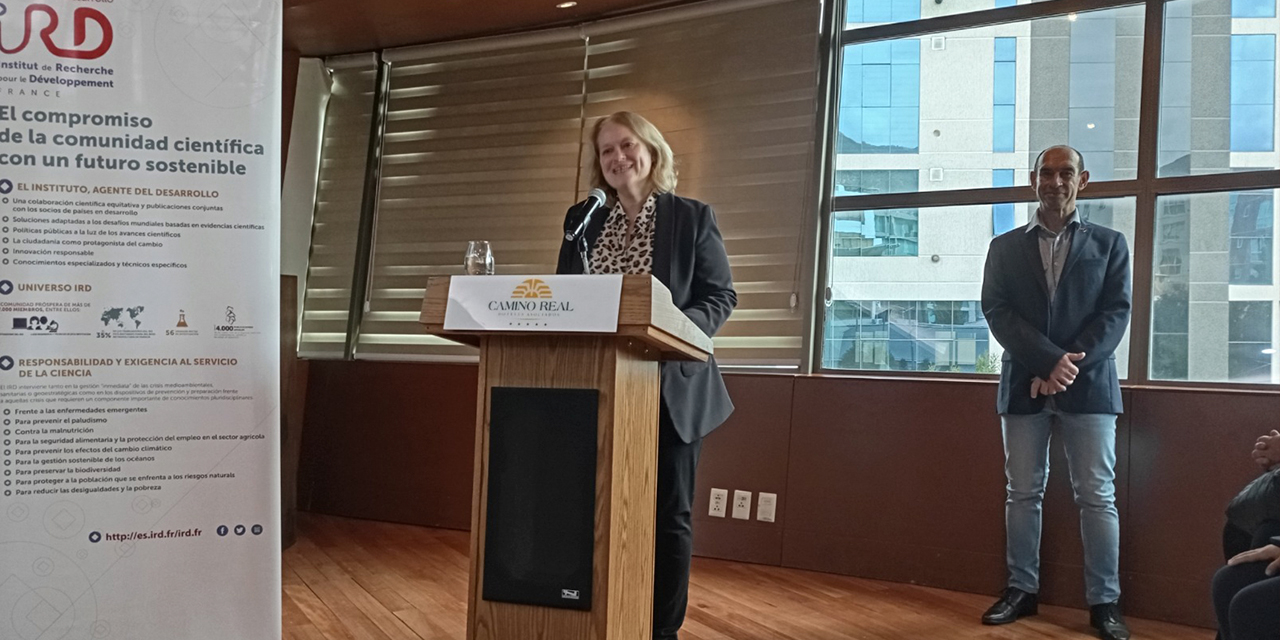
pixel 484 141
pixel 481 144
pixel 735 95
pixel 337 215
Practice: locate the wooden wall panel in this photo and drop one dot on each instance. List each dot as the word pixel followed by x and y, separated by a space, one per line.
pixel 895 486
pixel 749 452
pixel 891 479
pixel 1190 456
pixel 390 441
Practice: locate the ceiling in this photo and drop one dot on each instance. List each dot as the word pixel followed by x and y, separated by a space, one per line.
pixel 328 27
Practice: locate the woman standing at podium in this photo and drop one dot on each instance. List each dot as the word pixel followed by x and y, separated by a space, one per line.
pixel 650 230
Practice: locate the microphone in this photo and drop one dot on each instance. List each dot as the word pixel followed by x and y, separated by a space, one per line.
pixel 594 201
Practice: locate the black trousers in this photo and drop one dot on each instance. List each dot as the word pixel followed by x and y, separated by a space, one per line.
pixel 673 543
pixel 1247 602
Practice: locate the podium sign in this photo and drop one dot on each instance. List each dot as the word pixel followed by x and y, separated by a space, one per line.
pixel 554 304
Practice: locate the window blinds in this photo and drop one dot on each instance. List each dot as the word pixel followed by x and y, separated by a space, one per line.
pixel 479 145
pixel 485 140
pixel 337 216
pixel 735 95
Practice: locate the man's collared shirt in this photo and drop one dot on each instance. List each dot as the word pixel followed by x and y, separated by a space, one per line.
pixel 1054 248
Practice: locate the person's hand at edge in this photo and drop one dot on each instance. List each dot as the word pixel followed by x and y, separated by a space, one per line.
pixel 1270 552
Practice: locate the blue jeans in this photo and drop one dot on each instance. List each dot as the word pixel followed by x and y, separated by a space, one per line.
pixel 1090 442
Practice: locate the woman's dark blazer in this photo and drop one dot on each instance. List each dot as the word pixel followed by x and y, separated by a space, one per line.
pixel 689 258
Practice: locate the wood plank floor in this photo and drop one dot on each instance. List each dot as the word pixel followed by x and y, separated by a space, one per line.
pixel 360 579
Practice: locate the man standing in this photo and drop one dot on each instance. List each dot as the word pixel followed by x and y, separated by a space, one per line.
pixel 1056 294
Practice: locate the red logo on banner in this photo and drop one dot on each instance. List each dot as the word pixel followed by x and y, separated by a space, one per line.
pixel 81 17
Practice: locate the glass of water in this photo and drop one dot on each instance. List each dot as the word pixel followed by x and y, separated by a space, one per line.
pixel 478 260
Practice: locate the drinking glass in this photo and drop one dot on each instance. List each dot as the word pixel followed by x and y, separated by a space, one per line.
pixel 478 261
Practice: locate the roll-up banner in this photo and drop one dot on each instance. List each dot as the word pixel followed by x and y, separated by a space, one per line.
pixel 139 332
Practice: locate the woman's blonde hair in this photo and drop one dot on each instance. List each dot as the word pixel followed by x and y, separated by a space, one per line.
pixel 662 176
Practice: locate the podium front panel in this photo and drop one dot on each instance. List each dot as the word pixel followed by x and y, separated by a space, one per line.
pixel 541 506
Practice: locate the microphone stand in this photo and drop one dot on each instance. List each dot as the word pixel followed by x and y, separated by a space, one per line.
pixel 582 254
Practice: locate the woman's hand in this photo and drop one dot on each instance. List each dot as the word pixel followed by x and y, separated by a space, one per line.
pixel 1270 552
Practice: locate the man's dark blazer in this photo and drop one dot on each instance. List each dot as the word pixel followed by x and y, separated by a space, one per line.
pixel 690 259
pixel 1089 313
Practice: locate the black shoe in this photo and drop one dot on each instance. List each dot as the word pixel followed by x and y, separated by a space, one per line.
pixel 1014 604
pixel 1107 620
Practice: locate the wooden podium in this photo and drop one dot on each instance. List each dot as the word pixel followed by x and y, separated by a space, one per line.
pixel 622 368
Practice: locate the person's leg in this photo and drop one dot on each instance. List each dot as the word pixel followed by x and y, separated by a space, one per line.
pixel 1026 467
pixel 673 531
pixel 1244 601
pixel 1090 443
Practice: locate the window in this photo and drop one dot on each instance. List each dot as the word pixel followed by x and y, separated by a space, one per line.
pixel 911 335
pixel 888 232
pixel 1170 262
pixel 880 98
pixel 1201 330
pixel 1091 109
pixel 963 82
pixel 1250 346
pixel 1005 93
pixel 1252 232
pixel 890 266
pixel 913 313
pixel 1253 8
pixel 1002 215
pixel 1170 302
pixel 1235 81
pixel 1253 70
pixel 1174 157
pixel 876 181
pixel 859 11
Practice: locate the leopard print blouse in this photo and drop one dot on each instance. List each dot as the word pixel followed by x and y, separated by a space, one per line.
pixel 612 255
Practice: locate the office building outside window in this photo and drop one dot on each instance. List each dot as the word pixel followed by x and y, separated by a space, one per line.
pixel 1214 303
pixel 1002 215
pixel 1249 345
pixel 1253 8
pixel 1253 94
pixel 859 11
pixel 1005 94
pixel 880 98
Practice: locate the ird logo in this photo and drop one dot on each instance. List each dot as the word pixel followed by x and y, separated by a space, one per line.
pixel 532 288
pixel 80 17
pixel 569 594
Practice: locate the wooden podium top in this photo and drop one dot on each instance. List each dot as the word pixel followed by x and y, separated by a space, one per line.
pixel 646 314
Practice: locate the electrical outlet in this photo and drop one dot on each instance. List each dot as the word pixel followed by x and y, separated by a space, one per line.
pixel 742 504
pixel 719 502
pixel 767 507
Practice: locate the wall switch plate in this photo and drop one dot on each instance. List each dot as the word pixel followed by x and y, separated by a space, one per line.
pixel 767 507
pixel 742 504
pixel 719 503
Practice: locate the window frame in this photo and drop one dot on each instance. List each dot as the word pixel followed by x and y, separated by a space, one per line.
pixel 1146 187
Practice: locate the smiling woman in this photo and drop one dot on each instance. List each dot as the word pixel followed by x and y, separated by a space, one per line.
pixel 650 230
